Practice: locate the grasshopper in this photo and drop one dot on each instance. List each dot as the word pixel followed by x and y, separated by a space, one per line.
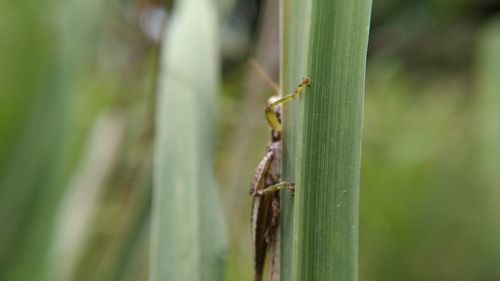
pixel 265 184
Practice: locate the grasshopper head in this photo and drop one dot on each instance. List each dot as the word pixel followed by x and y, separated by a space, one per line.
pixel 277 108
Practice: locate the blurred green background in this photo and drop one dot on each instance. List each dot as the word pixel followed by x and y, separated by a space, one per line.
pixel 77 102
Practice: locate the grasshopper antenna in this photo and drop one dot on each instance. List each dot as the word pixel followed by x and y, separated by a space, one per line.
pixel 262 73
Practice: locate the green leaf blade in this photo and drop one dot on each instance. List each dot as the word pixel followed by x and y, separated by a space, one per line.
pixel 328 147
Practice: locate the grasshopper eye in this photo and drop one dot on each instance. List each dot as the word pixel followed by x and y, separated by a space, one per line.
pixel 272 99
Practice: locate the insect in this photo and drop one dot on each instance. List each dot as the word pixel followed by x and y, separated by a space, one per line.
pixel 265 184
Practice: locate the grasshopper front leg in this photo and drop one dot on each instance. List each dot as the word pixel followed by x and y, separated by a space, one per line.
pixel 271 116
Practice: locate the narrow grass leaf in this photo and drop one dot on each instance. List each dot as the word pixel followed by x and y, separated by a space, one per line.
pixel 327 129
pixel 188 232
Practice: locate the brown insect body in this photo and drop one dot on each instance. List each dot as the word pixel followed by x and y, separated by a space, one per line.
pixel 265 208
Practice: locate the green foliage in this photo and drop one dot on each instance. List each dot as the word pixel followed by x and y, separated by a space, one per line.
pixel 429 179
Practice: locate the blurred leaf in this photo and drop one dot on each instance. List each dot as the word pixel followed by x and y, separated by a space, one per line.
pixel 488 88
pixel 488 84
pixel 188 231
pixel 34 113
pixel 42 52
